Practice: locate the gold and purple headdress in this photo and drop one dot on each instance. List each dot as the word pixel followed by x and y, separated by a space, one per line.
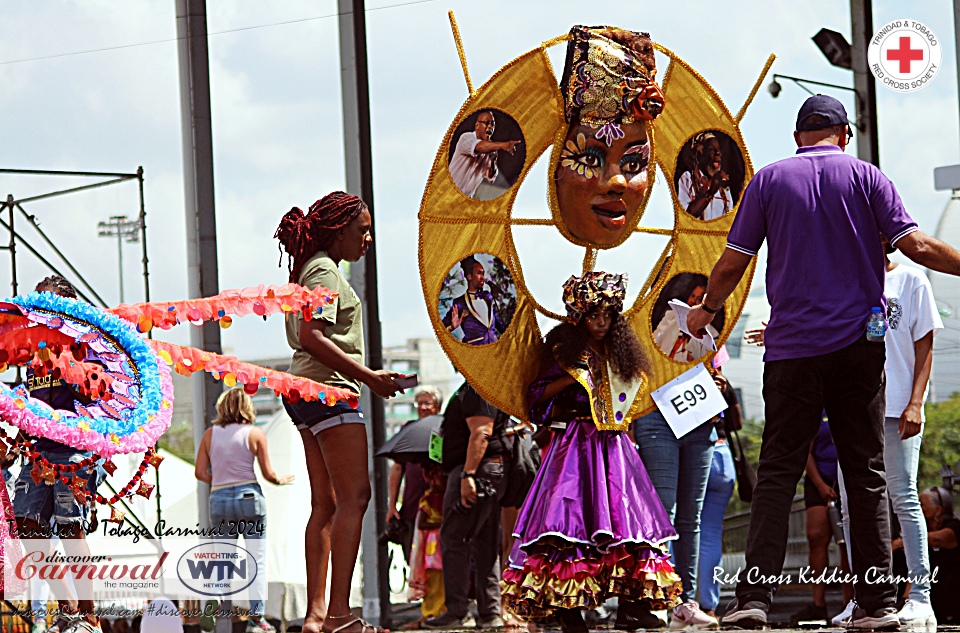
pixel 606 82
pixel 591 291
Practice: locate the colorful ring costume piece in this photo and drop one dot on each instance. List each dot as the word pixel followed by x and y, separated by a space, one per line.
pixel 129 416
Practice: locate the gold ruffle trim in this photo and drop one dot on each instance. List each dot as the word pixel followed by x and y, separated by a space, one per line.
pixel 538 594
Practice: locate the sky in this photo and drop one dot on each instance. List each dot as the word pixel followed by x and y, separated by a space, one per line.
pixel 275 93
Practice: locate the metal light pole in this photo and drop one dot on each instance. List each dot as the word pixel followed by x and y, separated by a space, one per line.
pixel 121 228
pixel 358 161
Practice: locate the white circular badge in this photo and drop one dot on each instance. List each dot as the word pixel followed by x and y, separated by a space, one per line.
pixel 904 55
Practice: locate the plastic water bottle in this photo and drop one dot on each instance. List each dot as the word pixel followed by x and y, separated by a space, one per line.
pixel 876 325
pixel 836 523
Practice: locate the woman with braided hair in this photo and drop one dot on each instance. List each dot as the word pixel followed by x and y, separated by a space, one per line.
pixel 328 348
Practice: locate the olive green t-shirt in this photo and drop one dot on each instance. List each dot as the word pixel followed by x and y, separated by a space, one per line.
pixel 343 317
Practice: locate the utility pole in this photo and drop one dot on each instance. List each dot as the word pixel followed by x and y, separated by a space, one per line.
pixel 363 277
pixel 861 30
pixel 201 218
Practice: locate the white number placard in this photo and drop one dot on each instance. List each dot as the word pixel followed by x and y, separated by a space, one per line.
pixel 689 400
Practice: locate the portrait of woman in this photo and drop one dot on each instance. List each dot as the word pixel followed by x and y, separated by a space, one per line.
pixel 609 95
pixel 689 288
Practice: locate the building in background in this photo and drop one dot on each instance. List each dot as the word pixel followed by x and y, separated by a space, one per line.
pixel 424 357
pixel 946 290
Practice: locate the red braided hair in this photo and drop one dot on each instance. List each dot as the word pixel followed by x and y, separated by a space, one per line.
pixel 302 235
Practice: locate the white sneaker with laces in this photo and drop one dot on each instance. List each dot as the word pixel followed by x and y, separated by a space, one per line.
pixel 917 614
pixel 689 617
pixel 843 615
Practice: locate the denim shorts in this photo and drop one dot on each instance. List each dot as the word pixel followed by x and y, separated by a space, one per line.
pixel 319 417
pixel 53 505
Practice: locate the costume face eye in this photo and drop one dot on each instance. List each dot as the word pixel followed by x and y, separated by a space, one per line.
pixel 581 158
pixel 635 160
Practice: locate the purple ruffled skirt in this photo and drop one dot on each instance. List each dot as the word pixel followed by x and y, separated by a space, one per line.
pixel 592 526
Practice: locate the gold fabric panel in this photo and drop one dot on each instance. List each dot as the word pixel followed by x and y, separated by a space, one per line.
pixel 453 225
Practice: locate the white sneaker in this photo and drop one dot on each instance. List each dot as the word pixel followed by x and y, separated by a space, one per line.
pixel 843 615
pixel 689 617
pixel 917 614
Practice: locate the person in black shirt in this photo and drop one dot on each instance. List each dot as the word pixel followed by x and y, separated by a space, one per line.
pixel 943 538
pixel 473 450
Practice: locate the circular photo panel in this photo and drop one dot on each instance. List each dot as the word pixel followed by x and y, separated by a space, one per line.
pixel 478 299
pixel 689 289
pixel 709 175
pixel 486 154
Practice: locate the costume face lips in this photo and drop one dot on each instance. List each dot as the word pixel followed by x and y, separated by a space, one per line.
pixel 600 186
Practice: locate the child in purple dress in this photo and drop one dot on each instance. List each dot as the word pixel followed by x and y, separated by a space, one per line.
pixel 592 526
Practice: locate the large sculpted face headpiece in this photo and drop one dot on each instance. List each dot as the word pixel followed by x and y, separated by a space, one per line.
pixel 591 291
pixel 609 94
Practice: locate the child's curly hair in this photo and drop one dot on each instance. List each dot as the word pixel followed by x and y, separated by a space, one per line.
pixel 567 342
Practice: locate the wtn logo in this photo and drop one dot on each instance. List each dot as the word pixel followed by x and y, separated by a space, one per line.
pixel 224 569
pixel 218 569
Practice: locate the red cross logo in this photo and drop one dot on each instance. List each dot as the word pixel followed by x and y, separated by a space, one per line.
pixel 905 55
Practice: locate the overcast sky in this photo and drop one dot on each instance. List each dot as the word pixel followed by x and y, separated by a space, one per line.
pixel 277 123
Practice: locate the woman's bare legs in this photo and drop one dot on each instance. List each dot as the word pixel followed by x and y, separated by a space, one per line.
pixel 344 450
pixel 322 504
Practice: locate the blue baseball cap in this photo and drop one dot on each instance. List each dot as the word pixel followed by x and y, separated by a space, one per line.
pixel 829 108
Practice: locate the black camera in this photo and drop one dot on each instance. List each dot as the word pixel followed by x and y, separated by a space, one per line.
pixel 395 532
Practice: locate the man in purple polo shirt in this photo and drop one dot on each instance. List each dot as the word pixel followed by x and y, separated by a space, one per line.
pixel 820 212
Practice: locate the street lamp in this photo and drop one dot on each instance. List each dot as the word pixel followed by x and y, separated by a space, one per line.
pixel 775 88
pixel 121 228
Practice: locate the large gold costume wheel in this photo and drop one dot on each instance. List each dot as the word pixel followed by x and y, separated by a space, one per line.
pixel 456 223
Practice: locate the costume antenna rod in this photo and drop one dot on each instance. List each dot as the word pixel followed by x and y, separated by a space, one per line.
pixel 589 260
pixel 756 86
pixel 463 57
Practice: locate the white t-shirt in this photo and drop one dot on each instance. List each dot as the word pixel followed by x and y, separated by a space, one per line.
pixel 911 314
pixel 467 167
pixel 721 202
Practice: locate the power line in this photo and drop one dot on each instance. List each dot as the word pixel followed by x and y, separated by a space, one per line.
pixel 237 30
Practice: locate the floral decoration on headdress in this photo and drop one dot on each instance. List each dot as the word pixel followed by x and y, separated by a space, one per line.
pixel 591 291
pixel 605 82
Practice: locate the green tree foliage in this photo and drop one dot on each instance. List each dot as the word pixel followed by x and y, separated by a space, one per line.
pixel 941 445
pixel 179 441
pixel 941 441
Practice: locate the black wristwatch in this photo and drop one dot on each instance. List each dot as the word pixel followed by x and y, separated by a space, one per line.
pixel 464 475
pixel 703 305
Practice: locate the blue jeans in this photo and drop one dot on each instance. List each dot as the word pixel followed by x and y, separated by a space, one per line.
pixel 54 506
pixel 901 458
pixel 679 470
pixel 723 476
pixel 244 503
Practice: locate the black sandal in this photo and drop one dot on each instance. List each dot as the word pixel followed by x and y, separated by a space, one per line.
pixel 635 614
pixel 571 621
